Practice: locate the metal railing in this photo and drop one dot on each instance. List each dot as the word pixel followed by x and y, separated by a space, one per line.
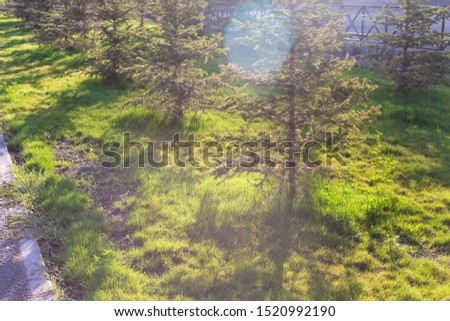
pixel 359 20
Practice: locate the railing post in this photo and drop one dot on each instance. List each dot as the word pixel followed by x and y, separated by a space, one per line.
pixel 363 23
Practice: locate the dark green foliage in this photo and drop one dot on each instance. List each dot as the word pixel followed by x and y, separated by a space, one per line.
pixel 61 23
pixel 142 11
pixel 312 97
pixel 405 55
pixel 30 10
pixel 71 22
pixel 18 8
pixel 47 28
pixel 44 17
pixel 169 65
pixel 113 37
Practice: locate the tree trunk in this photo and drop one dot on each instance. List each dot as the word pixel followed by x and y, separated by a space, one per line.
pixel 292 169
pixel 85 21
pixel 180 110
pixel 402 82
pixel 142 13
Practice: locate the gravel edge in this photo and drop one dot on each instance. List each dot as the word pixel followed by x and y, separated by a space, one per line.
pixel 38 281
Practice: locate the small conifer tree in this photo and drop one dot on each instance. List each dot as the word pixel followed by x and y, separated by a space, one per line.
pixel 113 35
pixel 62 23
pixel 169 66
pixel 74 20
pixel 311 95
pixel 31 11
pixel 408 53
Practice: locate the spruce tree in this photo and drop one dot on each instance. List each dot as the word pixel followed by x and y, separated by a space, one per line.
pixel 76 20
pixel 67 24
pixel 112 40
pixel 408 54
pixel 311 95
pixel 141 11
pixel 18 8
pixel 47 28
pixel 32 12
pixel 62 23
pixel 169 66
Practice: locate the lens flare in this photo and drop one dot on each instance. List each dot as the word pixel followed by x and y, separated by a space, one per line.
pixel 258 38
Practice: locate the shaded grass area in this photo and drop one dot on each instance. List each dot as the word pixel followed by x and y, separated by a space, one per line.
pixel 47 102
pixel 376 229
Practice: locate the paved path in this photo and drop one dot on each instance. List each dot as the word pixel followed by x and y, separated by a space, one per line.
pixel 22 270
pixel 13 277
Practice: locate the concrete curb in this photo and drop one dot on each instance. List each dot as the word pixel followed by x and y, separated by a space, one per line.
pixel 6 175
pixel 40 286
pixel 38 282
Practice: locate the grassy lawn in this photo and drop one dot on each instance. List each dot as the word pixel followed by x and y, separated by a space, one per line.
pixel 377 229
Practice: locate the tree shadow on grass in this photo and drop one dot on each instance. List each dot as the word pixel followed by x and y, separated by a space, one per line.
pixel 59 112
pixel 418 123
pixel 30 66
pixel 14 42
pixel 33 63
pixel 13 30
pixel 151 123
pixel 276 256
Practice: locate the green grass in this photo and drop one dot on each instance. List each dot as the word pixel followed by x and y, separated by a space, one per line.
pixel 377 229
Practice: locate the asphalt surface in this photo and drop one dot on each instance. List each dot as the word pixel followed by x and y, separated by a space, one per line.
pixel 13 278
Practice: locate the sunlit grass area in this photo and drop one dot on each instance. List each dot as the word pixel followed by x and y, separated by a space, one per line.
pixel 376 229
